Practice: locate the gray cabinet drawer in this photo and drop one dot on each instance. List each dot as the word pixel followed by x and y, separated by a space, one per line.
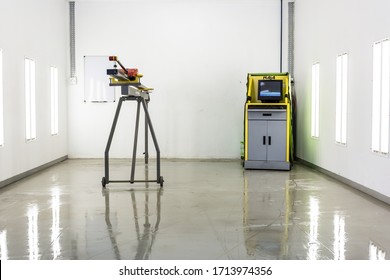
pixel 267 114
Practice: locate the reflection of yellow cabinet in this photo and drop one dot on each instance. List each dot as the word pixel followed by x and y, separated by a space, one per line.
pixel 267 214
pixel 268 122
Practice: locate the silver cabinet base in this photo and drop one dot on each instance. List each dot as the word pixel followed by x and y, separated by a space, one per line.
pixel 261 164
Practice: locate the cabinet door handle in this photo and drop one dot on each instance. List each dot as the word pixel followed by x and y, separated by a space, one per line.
pixel 264 140
pixel 269 140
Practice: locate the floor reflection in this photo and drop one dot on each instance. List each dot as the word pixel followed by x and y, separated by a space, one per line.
pixel 212 210
pixel 267 213
pixel 33 234
pixel 3 245
pixel 339 237
pixel 313 245
pixel 376 252
pixel 146 216
pixel 55 228
pixel 288 217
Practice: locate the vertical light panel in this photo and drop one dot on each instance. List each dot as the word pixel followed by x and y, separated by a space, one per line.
pixel 381 97
pixel 54 99
pixel 29 80
pixel 341 98
pixel 385 93
pixel 376 95
pixel 1 101
pixel 315 101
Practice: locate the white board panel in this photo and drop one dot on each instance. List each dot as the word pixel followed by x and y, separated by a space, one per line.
pixel 96 81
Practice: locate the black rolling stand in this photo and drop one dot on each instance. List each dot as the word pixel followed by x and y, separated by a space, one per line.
pixel 143 99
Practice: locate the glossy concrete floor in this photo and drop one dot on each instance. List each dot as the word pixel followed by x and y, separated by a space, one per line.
pixel 206 210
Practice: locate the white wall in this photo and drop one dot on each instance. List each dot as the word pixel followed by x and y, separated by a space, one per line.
pixel 196 54
pixel 38 30
pixel 325 29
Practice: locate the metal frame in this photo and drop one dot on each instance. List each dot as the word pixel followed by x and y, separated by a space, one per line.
pixel 148 126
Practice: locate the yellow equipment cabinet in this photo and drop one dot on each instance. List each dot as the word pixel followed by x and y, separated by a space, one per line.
pixel 267 124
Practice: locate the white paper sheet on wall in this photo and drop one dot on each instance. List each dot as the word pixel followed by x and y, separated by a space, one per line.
pixel 96 81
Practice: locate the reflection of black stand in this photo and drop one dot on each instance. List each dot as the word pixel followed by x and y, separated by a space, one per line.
pixel 111 232
pixel 148 124
pixel 146 237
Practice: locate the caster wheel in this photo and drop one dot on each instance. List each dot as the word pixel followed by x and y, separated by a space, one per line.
pixel 104 182
pixel 161 181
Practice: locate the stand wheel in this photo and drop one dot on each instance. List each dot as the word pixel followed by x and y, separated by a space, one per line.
pixel 161 181
pixel 104 182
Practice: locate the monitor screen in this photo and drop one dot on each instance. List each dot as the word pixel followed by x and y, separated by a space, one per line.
pixel 270 90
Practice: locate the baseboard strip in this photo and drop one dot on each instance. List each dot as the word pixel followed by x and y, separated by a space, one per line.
pixel 31 171
pixel 346 181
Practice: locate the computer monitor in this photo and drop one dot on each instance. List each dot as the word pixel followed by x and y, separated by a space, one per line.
pixel 270 90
